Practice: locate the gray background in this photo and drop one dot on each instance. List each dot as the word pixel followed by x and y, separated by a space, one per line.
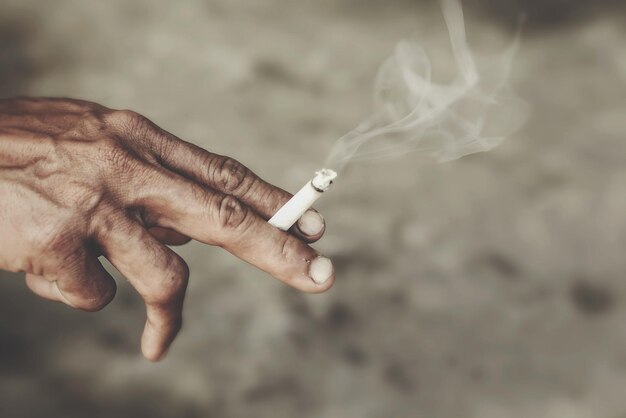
pixel 488 287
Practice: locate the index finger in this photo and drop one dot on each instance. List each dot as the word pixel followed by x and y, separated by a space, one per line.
pixel 231 177
pixel 218 219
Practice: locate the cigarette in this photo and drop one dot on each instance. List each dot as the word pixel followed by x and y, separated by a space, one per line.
pixel 303 200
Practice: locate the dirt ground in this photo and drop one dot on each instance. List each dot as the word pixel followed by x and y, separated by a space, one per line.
pixel 488 287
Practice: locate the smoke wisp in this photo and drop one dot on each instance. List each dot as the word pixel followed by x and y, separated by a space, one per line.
pixel 474 112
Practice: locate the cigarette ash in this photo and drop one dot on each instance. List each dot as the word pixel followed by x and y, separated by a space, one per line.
pixel 323 179
pixel 473 113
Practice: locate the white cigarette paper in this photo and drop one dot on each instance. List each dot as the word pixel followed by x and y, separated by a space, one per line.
pixel 303 200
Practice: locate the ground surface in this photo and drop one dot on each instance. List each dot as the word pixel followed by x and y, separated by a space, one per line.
pixel 489 287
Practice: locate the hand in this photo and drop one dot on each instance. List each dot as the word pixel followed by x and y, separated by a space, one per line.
pixel 78 180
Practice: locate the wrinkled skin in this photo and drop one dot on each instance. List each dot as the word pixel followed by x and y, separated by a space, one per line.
pixel 79 181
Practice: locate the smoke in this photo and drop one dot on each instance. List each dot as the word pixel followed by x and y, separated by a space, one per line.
pixel 473 113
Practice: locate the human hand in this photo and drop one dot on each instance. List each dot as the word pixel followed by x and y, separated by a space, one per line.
pixel 78 180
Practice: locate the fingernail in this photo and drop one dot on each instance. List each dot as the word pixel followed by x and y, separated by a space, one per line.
pixel 321 269
pixel 311 223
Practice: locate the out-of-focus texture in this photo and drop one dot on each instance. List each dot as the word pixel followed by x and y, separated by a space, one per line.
pixel 416 112
pixel 489 287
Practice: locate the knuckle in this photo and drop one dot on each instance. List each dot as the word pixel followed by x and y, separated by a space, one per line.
pixel 140 133
pixel 130 123
pixel 162 147
pixel 173 282
pixel 103 222
pixel 286 247
pixel 92 121
pixel 125 118
pixel 86 199
pixel 230 175
pixel 231 213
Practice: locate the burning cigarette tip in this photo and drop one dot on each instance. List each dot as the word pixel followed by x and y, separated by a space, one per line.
pixel 323 179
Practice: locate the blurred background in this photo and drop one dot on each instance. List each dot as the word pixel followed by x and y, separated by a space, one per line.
pixel 489 287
